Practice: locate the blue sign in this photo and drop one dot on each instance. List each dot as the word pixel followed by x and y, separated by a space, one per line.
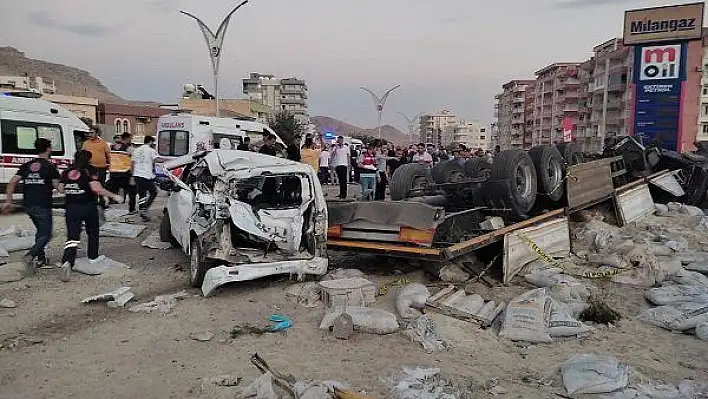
pixel 329 135
pixel 659 71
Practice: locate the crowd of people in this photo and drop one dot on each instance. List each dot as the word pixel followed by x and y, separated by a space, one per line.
pixel 86 192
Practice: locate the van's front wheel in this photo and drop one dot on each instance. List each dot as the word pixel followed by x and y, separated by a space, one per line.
pixel 198 265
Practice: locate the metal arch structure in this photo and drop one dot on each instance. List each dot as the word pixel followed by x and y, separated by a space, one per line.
pixel 380 102
pixel 214 42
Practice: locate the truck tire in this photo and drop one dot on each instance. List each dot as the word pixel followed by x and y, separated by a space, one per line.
pixel 548 162
pixel 571 153
pixel 409 177
pixel 198 266
pixel 512 183
pixel 478 167
pixel 450 171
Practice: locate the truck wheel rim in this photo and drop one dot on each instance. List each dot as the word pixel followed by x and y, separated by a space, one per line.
pixel 523 181
pixel 554 173
pixel 194 260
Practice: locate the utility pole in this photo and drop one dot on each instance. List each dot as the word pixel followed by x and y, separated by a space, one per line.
pixel 380 102
pixel 411 122
pixel 214 43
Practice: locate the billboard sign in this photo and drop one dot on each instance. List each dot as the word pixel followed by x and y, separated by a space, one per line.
pixel 660 24
pixel 659 73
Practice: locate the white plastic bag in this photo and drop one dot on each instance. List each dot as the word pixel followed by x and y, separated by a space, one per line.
pixel 526 317
pixel 583 374
pixel 410 299
pixel 368 320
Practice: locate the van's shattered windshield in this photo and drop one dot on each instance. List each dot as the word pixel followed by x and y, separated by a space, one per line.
pixel 270 191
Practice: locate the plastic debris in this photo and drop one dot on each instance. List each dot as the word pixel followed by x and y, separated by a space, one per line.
pixel 114 299
pixel 428 383
pixel 422 331
pixel 585 374
pixel 161 304
pixel 101 265
pixel 279 322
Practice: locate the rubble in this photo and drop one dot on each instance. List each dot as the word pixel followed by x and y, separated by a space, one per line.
pixel 367 320
pixel 354 291
pixel 468 307
pixel 114 299
pixel 422 331
pixel 428 383
pixel 411 300
pixel 305 294
pixel 454 274
pixel 153 241
pixel 203 336
pixel 100 266
pixel 8 304
pixel 121 230
pixel 161 304
pixel 15 239
pixel 586 374
pixel 12 272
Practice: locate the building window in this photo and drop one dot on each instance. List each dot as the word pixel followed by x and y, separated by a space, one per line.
pixel 705 128
pixel 126 126
pixel 705 110
pixel 118 124
pixel 705 90
pixel 140 129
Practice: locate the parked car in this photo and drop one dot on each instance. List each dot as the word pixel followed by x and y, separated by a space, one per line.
pixel 243 215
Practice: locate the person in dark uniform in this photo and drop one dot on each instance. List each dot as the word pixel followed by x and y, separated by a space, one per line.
pixel 40 177
pixel 80 184
pixel 268 147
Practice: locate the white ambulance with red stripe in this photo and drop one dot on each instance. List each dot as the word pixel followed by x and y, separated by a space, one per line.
pixel 22 121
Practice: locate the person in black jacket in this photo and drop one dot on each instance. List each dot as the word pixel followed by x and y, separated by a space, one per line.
pixel 80 185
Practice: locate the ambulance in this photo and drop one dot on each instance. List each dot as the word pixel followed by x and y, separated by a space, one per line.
pixel 181 133
pixel 23 119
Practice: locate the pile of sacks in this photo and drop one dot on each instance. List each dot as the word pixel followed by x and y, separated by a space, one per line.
pixel 551 311
pixel 682 304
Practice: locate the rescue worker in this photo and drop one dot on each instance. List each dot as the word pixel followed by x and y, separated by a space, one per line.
pixel 40 178
pixel 80 185
pixel 121 167
pixel 100 157
pixel 144 158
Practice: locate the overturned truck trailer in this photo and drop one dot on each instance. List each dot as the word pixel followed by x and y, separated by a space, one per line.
pixel 241 216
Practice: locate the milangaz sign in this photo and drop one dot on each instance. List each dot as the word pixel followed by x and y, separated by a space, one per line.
pixel 659 24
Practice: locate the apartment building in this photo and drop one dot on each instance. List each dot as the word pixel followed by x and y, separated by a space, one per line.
pixel 474 135
pixel 438 128
pixel 510 111
pixel 289 94
pixel 606 101
pixel 702 130
pixel 556 94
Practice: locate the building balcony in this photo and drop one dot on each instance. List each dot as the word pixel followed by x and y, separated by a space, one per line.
pixel 614 103
pixel 518 99
pixel 497 96
pixel 615 87
pixel 571 108
pixel 298 101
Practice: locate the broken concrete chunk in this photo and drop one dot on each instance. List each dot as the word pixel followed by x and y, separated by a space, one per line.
pixel 454 274
pixel 117 298
pixel 692 210
pixel 8 304
pixel 674 206
pixel 12 243
pixel 343 326
pixel 100 265
pixel 422 331
pixel 368 320
pixel 153 241
pixel 305 294
pixel 661 210
pixel 113 214
pixel 202 336
pixel 121 230
pixel 162 304
pixel 701 267
pixel 492 223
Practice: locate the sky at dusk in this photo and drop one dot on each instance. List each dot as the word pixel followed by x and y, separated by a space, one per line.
pixel 445 54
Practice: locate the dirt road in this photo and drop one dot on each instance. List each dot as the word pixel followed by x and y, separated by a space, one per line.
pixel 63 349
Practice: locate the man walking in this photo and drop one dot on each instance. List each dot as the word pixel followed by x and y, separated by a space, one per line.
pixel 120 168
pixel 40 177
pixel 340 162
pixel 100 157
pixel 144 173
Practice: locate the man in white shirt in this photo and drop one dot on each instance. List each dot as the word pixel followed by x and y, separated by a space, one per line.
pixel 144 173
pixel 324 165
pixel 340 163
pixel 422 156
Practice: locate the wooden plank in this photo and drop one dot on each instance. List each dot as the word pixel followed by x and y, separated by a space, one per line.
pixel 447 300
pixel 553 238
pixel 588 182
pixel 496 235
pixel 381 247
pixel 442 293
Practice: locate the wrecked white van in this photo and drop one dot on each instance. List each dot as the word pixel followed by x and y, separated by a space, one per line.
pixel 242 215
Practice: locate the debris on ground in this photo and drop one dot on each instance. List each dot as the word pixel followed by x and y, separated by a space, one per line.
pixel 220 386
pixel 453 274
pixel 457 303
pixel 337 274
pixel 7 304
pixel 686 389
pixel 12 272
pixel 202 336
pixel 526 317
pixel 428 383
pixel 343 326
pixel 586 374
pixel 411 300
pixel 114 299
pixel 121 230
pixel 153 241
pixel 353 291
pixel 306 295
pixel 15 239
pixel 422 331
pixel 367 320
pixel 114 214
pixel 100 266
pixel 276 322
pixel 161 304
pixel 600 312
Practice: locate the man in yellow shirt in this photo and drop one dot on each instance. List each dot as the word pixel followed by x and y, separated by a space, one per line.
pixel 121 167
pixel 100 157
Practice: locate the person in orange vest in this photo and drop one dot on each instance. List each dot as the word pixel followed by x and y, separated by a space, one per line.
pixel 100 157
pixel 121 170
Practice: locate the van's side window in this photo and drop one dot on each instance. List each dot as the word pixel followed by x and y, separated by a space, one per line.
pixel 173 143
pixel 18 136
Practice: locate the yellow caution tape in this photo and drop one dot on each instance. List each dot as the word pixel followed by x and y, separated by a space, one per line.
pixel 383 289
pixel 555 263
pixel 560 183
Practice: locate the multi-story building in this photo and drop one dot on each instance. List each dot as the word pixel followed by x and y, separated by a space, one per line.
pixel 25 83
pixel 288 94
pixel 510 111
pixel 556 96
pixel 702 131
pixel 606 103
pixel 529 108
pixel 474 135
pixel 438 128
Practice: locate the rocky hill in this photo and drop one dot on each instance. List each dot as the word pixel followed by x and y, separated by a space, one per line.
pixel 68 80
pixel 388 132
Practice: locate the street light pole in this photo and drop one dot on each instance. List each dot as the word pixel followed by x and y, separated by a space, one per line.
pixel 411 122
pixel 214 43
pixel 380 102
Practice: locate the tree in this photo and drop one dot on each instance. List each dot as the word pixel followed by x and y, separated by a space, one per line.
pixel 286 126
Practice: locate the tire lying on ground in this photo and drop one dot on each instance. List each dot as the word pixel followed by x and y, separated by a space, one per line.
pixel 571 153
pixel 548 162
pixel 512 183
pixel 451 171
pixel 410 180
pixel 478 167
